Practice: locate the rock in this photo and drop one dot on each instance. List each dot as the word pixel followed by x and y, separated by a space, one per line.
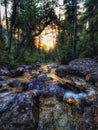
pixel 74 84
pixel 4 72
pixel 19 111
pixel 28 67
pixel 82 66
pixel 96 117
pixel 5 83
pixel 21 84
pixel 43 77
pixel 61 70
pixel 2 78
pixel 54 115
pixel 36 84
pixel 16 72
pixel 92 78
pixel 38 64
pixel 46 90
pixel 89 119
pixel 52 90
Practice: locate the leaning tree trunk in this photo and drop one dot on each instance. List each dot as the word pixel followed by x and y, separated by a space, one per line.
pixel 27 43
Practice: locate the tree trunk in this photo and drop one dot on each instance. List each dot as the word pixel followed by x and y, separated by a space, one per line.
pixel 0 21
pixel 6 17
pixel 13 17
pixel 74 31
pixel 92 52
pixel 29 39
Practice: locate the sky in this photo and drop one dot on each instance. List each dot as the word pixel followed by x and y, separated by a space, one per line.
pixel 3 10
pixel 60 2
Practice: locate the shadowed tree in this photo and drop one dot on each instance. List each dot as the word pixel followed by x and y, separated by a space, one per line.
pixel 71 14
pixel 31 18
pixel 91 18
pixel 0 22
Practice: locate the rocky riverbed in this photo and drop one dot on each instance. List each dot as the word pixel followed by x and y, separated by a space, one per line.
pixel 50 96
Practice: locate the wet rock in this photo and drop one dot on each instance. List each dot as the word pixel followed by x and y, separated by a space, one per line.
pixel 39 83
pixel 81 100
pixel 43 77
pixel 16 72
pixel 4 72
pixel 36 84
pixel 19 111
pixel 38 64
pixel 28 67
pixel 54 115
pixel 52 90
pixel 21 84
pixel 73 84
pixel 82 66
pixel 36 67
pixel 96 117
pixel 45 89
pixel 5 83
pixel 92 78
pixel 89 119
pixel 80 83
pixel 2 78
pixel 61 70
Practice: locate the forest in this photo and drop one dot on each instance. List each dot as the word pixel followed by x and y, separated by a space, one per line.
pixel 48 64
pixel 77 30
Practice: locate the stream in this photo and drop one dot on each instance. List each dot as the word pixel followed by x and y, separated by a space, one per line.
pixel 62 100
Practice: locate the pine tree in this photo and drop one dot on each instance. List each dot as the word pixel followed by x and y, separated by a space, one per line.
pixel 91 21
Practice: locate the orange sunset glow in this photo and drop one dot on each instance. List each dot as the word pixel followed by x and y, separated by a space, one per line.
pixel 47 39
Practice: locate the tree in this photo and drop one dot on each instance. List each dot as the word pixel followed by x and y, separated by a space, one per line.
pixel 70 30
pixel 88 45
pixel 12 22
pixel 31 18
pixel 91 21
pixel 0 23
pixel 71 14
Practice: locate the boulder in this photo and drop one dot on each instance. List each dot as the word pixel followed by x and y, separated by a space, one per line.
pixel 16 72
pixel 52 90
pixel 61 70
pixel 3 72
pixel 82 66
pixel 89 120
pixel 20 84
pixel 19 111
pixel 55 115
pixel 5 83
pixel 28 67
pixel 2 78
pixel 92 78
pixel 44 88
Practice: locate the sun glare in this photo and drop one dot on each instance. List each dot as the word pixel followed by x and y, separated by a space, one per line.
pixel 47 40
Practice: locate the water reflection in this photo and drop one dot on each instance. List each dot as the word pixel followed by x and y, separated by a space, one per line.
pixel 73 95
